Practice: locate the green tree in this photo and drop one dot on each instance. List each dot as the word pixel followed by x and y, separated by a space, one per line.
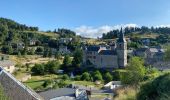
pixel 7 49
pixel 158 89
pixel 38 69
pixel 66 61
pixel 45 53
pixel 167 54
pixel 108 77
pixel 77 58
pixel 65 77
pixel 86 76
pixel 50 53
pixel 135 71
pixel 52 66
pixel 57 55
pixel 97 76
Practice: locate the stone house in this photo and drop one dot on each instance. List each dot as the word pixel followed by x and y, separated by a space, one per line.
pixel 103 57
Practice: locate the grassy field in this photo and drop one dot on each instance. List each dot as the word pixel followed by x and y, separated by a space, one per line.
pixel 32 59
pixel 37 81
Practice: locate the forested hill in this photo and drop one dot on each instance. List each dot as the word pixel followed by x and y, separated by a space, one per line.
pixel 8 24
pixel 14 35
pixel 11 31
pixel 137 30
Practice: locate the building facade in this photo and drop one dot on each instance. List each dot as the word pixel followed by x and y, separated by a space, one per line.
pixel 104 57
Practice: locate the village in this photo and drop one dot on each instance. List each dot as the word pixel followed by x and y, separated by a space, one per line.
pixel 107 57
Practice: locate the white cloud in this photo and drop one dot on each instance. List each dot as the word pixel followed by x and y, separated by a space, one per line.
pixel 94 32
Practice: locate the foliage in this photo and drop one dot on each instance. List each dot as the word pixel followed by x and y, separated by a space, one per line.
pixel 46 83
pixel 108 77
pixel 49 67
pixel 86 76
pixel 52 66
pixel 66 62
pixel 66 33
pixel 65 77
pixel 97 76
pixel 167 54
pixel 157 89
pixel 77 58
pixel 38 69
pixel 135 71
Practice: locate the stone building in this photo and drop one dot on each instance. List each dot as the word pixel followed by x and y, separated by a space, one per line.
pixel 103 57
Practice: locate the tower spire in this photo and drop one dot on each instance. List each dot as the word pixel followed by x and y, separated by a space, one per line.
pixel 121 36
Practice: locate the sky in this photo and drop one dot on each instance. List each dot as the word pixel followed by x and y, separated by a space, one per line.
pixel 88 18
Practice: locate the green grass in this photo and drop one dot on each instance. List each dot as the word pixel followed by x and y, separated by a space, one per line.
pixel 37 81
pixel 34 84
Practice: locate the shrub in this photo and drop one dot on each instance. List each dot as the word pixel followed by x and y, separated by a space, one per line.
pixel 85 76
pixel 65 77
pixel 158 89
pixel 108 77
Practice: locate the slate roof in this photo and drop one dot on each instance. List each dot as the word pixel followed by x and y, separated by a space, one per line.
pixel 14 89
pixel 50 94
pixel 107 52
pixel 141 49
pixel 93 48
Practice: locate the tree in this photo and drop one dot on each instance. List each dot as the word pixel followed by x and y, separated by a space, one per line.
pixel 167 54
pixel 45 54
pixel 77 58
pixel 108 77
pixel 7 49
pixel 85 76
pixel 57 55
pixel 52 66
pixel 50 53
pixel 97 76
pixel 46 83
pixel 65 77
pixel 158 89
pixel 67 61
pixel 135 71
pixel 38 69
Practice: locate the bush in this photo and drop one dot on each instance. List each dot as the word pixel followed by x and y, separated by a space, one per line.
pixel 158 89
pixel 85 76
pixel 38 69
pixel 65 77
pixel 97 76
pixel 77 78
pixel 46 83
pixel 108 77
pixel 135 71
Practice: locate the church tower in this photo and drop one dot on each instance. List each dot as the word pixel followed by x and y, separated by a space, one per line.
pixel 122 50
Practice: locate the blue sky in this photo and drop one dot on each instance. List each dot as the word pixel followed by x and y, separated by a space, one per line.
pixel 87 16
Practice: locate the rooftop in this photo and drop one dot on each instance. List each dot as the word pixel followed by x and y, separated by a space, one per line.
pixel 107 52
pixel 47 95
pixel 15 89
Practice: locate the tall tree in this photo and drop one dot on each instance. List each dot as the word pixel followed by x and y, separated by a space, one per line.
pixel 77 58
pixel 135 71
